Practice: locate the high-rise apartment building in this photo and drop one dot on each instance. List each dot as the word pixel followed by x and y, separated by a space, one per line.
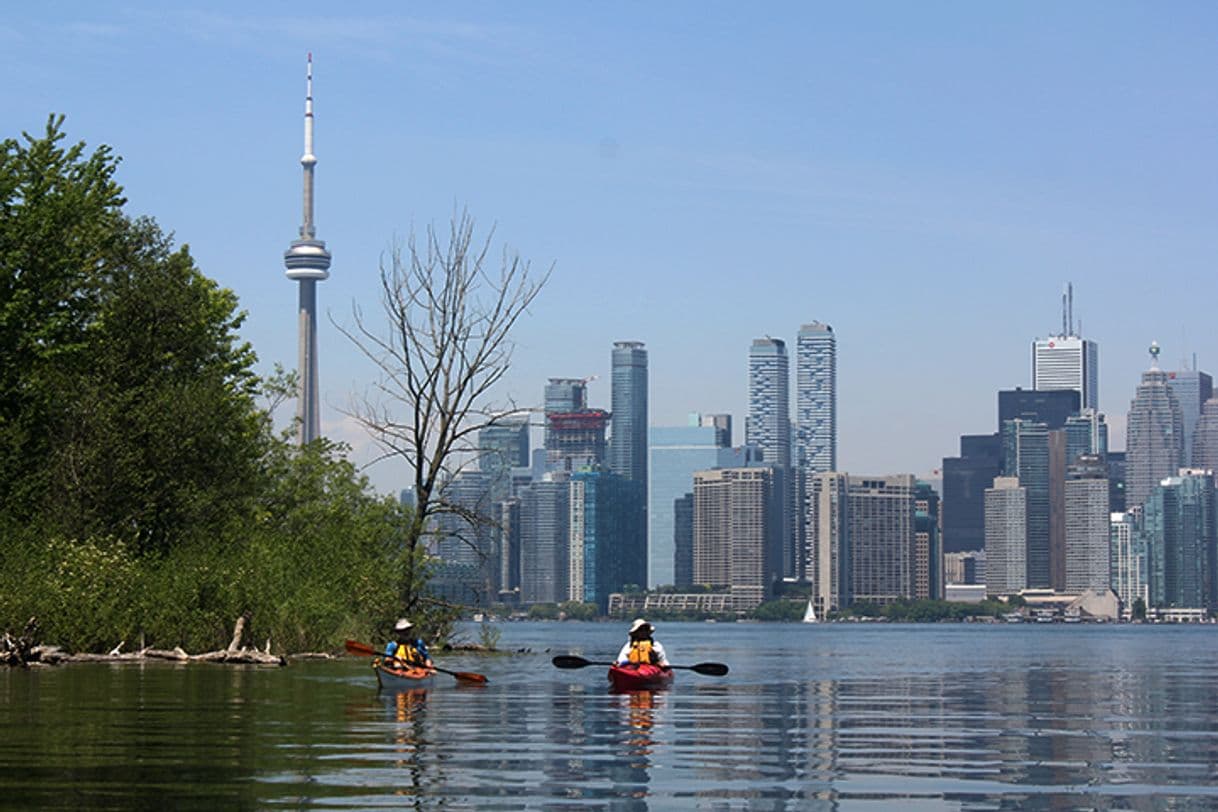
pixel 628 434
pixel 1006 534
pixel 1088 527
pixel 768 426
pixel 829 566
pixel 1192 389
pixel 737 532
pixel 1067 362
pixel 1154 439
pixel 1129 562
pixel 676 453
pixel 816 399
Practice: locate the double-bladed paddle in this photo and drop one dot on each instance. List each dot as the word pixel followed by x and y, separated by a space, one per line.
pixel 572 661
pixel 465 676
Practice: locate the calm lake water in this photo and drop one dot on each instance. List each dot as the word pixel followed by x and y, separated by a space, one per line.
pixel 810 717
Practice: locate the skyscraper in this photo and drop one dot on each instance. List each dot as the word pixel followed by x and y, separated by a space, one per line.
pixel 1052 407
pixel 308 262
pixel 829 566
pixel 605 538
pixel 880 529
pixel 1179 519
pixel 502 446
pixel 769 420
pixel 564 396
pixel 1205 438
pixel 1154 434
pixel 1192 389
pixel 1130 567
pixel 1067 362
pixel 965 480
pixel 1026 456
pixel 1006 535
pixel 544 514
pixel 928 547
pixel 737 532
pixel 628 432
pixel 677 452
pixel 1088 525
pixel 816 399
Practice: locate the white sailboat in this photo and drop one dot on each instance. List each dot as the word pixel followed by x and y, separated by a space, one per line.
pixel 810 613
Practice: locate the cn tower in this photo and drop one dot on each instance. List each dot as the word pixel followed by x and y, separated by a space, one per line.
pixel 308 262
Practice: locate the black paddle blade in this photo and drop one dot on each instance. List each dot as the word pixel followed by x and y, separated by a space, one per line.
pixel 710 669
pixel 570 661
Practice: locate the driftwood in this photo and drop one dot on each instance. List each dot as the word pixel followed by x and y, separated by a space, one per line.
pixel 22 651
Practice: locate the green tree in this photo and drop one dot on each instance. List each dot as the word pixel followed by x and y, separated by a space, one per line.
pixel 60 221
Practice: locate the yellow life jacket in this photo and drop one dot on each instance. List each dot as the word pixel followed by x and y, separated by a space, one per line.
pixel 640 651
pixel 408 653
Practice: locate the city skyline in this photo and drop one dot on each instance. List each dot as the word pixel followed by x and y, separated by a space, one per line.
pixel 895 172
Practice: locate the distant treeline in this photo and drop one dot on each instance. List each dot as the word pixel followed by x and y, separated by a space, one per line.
pixel 143 492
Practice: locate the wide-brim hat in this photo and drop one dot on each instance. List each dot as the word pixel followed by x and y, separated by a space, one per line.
pixel 639 623
pixel 403 625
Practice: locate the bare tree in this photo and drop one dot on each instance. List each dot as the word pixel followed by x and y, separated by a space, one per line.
pixel 446 345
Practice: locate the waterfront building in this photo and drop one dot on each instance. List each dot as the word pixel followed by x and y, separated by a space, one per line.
pixel 683 540
pixel 605 543
pixel 928 553
pixel 965 479
pixel 628 437
pixel 308 262
pixel 768 427
pixel 1205 438
pixel 1087 526
pixel 880 529
pixel 676 453
pixel 829 567
pixel 1128 561
pixel 737 541
pixel 966 568
pixel 1067 362
pixel 1006 529
pixel 1026 456
pixel 544 514
pixel 1179 520
pixel 1192 389
pixel 1154 434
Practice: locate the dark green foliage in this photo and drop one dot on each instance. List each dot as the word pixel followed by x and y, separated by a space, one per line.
pixel 780 610
pixel 143 496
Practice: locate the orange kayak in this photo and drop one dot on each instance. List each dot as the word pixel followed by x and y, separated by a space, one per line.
pixel 391 677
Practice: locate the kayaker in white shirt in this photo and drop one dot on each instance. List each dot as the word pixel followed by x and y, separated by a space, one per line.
pixel 641 648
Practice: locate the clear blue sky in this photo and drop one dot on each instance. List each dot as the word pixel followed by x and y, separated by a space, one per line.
pixel 923 176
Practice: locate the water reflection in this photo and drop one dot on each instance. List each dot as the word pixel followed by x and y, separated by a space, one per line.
pixel 915 719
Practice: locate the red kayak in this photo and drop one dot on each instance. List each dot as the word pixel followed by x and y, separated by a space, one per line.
pixel 643 677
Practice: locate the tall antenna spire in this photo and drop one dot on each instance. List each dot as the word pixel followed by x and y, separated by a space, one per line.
pixel 1070 305
pixel 308 262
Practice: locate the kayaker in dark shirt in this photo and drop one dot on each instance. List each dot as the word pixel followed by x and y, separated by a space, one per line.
pixel 405 648
pixel 641 647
